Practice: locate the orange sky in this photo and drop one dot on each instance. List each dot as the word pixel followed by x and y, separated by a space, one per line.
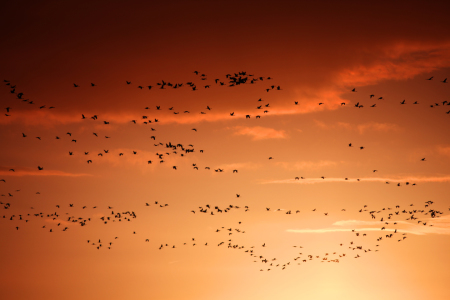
pixel 376 226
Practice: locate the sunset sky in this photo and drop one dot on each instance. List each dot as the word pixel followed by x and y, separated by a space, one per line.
pixel 310 158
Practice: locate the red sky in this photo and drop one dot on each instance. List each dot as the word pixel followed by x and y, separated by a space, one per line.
pixel 316 53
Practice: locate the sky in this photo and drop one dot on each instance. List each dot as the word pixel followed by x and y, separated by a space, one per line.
pixel 224 149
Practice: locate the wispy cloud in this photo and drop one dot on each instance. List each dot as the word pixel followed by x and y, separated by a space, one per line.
pixel 361 128
pixel 311 165
pixel 444 150
pixel 148 161
pixel 55 117
pixel 321 124
pixel 41 117
pixel 28 172
pixel 126 156
pixel 237 166
pixel 410 179
pixel 440 226
pixel 378 127
pixel 398 62
pixel 333 229
pixel 260 133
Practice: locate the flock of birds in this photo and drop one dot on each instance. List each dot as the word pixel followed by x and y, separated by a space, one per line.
pixel 389 219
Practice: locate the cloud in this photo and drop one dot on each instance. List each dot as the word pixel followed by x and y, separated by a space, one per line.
pixel 55 117
pixel 378 127
pixel 321 124
pixel 410 179
pixel 142 157
pixel 361 128
pixel 127 158
pixel 260 133
pixel 237 166
pixel 332 229
pixel 137 161
pixel 440 226
pixel 391 60
pixel 444 150
pixel 28 172
pixel 301 165
pixel 399 61
pixel 345 125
